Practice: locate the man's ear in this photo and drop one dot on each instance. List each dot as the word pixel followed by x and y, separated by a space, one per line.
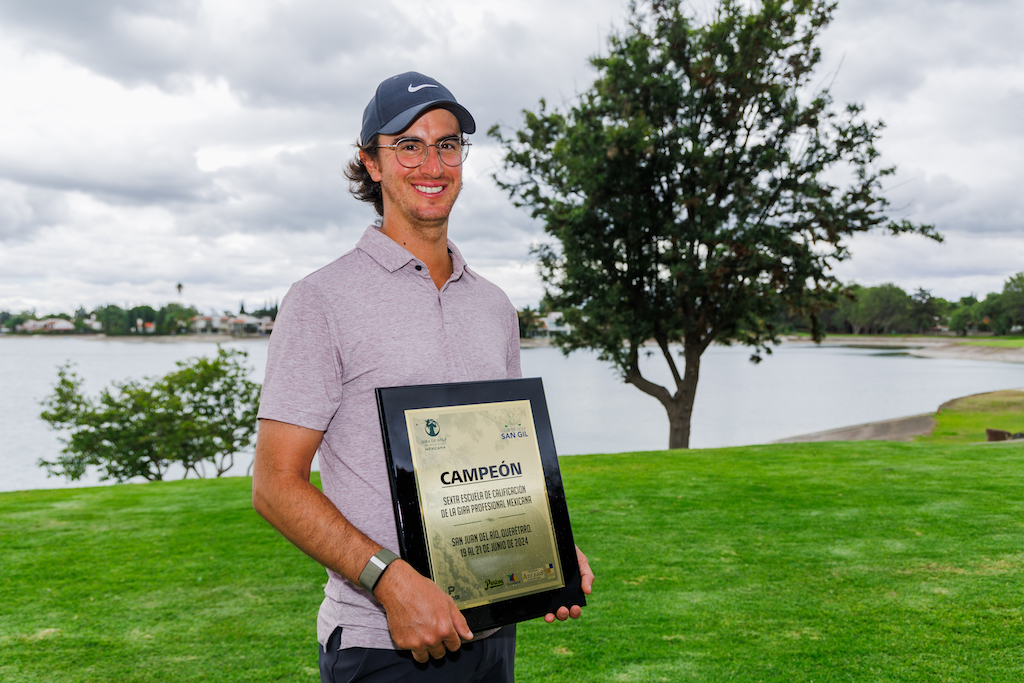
pixel 371 166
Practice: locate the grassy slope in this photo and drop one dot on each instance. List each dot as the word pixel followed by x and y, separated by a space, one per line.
pixel 1009 342
pixel 997 342
pixel 813 562
pixel 965 420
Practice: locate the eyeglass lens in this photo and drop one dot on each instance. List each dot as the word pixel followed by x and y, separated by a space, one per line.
pixel 411 153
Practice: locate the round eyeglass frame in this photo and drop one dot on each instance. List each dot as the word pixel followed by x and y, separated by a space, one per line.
pixel 465 144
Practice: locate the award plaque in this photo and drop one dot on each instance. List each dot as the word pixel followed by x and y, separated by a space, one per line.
pixel 478 497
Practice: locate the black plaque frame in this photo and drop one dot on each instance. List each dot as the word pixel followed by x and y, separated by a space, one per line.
pixel 392 402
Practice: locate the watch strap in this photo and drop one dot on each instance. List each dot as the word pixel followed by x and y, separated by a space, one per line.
pixel 373 570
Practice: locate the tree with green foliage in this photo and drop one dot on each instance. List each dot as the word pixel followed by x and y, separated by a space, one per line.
pixel 991 316
pixel 837 317
pixel 114 319
pixel 174 318
pixel 1013 299
pixel 698 188
pixel 11 321
pixel 267 310
pixel 925 311
pixel 144 313
pixel 216 404
pixel 529 322
pixel 880 310
pixel 961 318
pixel 202 413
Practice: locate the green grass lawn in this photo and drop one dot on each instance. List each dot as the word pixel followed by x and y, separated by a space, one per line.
pixel 965 420
pixel 997 342
pixel 820 562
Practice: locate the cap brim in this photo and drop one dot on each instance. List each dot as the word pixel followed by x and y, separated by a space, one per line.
pixel 399 123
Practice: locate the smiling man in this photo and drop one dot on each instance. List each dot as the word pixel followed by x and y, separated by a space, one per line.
pixel 402 308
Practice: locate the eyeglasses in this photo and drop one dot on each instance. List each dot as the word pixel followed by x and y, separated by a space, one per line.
pixel 412 152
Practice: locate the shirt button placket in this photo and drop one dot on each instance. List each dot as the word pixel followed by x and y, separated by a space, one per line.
pixel 451 350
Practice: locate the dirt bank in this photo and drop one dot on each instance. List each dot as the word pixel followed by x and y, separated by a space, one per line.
pixel 900 429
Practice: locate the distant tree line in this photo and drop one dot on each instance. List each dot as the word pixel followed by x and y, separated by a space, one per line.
pixel 114 320
pixel 888 309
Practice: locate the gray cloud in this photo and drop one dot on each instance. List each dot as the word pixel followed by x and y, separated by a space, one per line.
pixel 123 175
pixel 889 50
pixel 24 210
pixel 275 205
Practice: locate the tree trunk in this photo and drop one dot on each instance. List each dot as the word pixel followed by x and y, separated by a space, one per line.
pixel 679 406
pixel 680 409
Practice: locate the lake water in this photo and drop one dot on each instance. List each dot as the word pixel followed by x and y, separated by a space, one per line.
pixel 800 388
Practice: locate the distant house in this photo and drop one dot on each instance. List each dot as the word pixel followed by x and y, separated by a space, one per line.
pixel 247 324
pixel 554 323
pixel 48 325
pixel 238 325
pixel 209 324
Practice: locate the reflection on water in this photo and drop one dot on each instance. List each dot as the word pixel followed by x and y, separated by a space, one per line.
pixel 798 389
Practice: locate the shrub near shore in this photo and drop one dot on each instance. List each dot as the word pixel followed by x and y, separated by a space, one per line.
pixel 812 562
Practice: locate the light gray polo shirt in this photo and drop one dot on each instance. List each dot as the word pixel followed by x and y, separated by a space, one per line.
pixel 373 318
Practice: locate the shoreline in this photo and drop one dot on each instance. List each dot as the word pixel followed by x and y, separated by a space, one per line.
pixel 150 339
pixel 922 347
pixel 897 429
pixel 927 347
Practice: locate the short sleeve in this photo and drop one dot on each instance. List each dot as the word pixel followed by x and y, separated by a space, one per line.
pixel 302 385
pixel 514 362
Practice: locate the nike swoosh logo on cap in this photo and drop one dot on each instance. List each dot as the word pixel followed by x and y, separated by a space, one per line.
pixel 421 87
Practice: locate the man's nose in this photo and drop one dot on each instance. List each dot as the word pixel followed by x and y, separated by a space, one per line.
pixel 432 164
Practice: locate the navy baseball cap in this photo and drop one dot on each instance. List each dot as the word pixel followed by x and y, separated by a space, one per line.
pixel 401 99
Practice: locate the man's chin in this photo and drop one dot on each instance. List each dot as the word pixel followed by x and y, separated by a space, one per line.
pixel 432 219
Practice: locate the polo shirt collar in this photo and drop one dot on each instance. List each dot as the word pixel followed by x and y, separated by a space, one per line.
pixel 393 256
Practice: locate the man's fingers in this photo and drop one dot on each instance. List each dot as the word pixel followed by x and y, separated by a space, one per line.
pixel 564 613
pixel 461 627
pixel 586 573
pixel 421 618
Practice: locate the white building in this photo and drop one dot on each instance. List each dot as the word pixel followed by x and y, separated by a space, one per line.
pixel 48 325
pixel 238 325
pixel 554 323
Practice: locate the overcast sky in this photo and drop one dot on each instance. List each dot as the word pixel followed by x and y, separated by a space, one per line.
pixel 145 143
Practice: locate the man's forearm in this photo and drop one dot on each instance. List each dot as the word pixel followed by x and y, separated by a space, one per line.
pixel 283 495
pixel 313 524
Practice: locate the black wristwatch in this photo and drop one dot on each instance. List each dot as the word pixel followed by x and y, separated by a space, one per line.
pixel 374 569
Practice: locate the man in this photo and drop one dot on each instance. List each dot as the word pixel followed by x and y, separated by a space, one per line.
pixel 401 308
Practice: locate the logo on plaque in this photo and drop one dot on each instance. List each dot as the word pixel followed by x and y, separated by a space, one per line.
pixel 433 429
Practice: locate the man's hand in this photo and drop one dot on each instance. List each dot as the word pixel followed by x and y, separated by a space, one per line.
pixel 421 617
pixel 586 583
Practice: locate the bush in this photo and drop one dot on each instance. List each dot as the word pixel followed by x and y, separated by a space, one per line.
pixel 201 414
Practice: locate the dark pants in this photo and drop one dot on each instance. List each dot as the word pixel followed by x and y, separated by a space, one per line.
pixel 491 660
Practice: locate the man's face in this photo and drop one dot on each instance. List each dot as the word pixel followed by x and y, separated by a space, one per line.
pixel 420 197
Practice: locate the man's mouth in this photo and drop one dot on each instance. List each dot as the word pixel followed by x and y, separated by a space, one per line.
pixel 429 190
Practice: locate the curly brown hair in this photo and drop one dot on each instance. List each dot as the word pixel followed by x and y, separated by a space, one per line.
pixel 360 184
